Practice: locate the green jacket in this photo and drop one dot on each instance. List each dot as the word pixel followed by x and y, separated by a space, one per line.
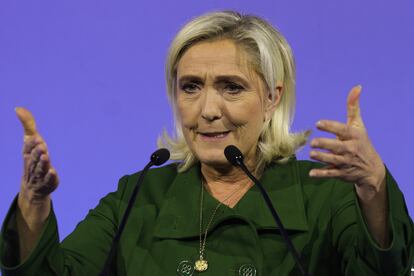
pixel 322 217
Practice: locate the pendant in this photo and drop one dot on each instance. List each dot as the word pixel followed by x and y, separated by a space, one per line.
pixel 201 265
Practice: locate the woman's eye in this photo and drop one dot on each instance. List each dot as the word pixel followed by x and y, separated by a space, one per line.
pixel 189 87
pixel 233 88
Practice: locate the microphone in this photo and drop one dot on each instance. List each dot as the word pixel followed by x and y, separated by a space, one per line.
pixel 158 158
pixel 235 157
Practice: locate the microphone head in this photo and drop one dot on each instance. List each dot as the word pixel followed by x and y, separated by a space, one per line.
pixel 160 156
pixel 233 155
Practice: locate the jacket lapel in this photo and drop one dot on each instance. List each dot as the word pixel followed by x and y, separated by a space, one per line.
pixel 179 215
pixel 282 183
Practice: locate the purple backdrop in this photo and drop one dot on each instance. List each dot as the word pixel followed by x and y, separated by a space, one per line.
pixel 92 73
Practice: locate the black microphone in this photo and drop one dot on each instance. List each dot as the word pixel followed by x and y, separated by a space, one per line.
pixel 235 157
pixel 158 158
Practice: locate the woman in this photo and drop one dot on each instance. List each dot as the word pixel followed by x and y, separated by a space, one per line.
pixel 231 82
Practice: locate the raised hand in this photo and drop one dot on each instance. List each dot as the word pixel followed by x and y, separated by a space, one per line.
pixel 39 177
pixel 38 181
pixel 351 156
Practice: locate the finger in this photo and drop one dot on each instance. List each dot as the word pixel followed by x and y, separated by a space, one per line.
pixel 334 145
pixel 328 158
pixel 34 159
pixel 341 130
pixel 353 107
pixel 42 166
pixel 52 177
pixel 51 182
pixel 27 120
pixel 38 151
pixel 30 143
pixel 325 173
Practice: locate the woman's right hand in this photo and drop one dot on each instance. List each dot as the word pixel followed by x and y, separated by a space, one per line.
pixel 38 182
pixel 39 177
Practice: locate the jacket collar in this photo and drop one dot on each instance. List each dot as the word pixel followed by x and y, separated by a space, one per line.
pixel 179 215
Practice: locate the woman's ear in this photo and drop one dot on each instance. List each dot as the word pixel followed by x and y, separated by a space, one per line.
pixel 273 101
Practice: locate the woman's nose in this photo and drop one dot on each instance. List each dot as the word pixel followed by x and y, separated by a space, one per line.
pixel 211 105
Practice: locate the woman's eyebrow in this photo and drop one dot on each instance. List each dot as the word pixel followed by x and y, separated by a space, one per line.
pixel 220 78
pixel 191 78
pixel 232 78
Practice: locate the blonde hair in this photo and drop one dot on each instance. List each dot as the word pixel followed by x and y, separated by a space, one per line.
pixel 271 58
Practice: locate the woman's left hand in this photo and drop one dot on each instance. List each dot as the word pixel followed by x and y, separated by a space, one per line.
pixel 351 156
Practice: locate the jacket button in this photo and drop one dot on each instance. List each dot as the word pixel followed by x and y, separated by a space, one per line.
pixel 185 268
pixel 247 270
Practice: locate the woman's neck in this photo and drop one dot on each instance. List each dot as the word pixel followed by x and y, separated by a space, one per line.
pixel 228 185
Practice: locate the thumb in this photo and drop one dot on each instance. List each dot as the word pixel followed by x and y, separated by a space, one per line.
pixel 27 120
pixel 353 109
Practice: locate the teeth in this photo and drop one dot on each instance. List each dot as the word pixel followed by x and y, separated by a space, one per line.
pixel 217 135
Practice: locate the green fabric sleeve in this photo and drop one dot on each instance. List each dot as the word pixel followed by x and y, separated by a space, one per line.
pixel 9 246
pixel 83 252
pixel 359 252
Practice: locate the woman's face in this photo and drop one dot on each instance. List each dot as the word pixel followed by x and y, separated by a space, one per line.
pixel 221 101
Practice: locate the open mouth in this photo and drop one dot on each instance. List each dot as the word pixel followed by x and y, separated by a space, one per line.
pixel 214 135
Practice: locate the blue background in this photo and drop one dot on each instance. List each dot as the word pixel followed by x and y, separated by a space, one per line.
pixel 92 73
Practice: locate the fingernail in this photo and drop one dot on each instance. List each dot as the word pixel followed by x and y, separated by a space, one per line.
pixel 319 123
pixel 311 173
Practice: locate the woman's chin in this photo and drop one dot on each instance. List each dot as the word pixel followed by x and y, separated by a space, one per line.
pixel 218 162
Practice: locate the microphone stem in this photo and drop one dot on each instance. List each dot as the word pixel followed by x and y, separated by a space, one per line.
pixel 121 227
pixel 276 218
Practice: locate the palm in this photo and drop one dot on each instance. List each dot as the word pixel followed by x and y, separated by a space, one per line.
pixel 39 177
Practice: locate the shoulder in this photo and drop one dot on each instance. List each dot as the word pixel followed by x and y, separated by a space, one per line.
pixel 154 186
pixel 329 189
pixel 303 167
pixel 323 198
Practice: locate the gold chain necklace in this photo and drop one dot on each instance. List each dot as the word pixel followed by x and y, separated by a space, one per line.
pixel 201 264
